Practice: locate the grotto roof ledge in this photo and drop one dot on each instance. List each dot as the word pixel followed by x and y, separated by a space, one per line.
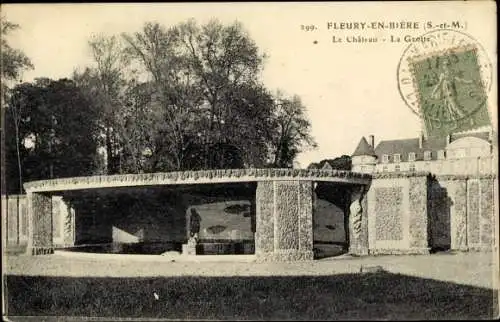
pixel 196 177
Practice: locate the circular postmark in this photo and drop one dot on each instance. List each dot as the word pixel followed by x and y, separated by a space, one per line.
pixel 444 79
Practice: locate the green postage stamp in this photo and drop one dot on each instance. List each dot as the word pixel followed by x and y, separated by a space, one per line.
pixel 451 93
pixel 447 83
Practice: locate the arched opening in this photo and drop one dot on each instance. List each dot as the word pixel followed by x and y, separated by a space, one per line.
pixel 331 219
pixel 160 219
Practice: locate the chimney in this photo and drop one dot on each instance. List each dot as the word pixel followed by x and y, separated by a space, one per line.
pixel 371 141
pixel 421 140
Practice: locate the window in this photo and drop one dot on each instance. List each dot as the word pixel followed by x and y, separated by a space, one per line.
pixel 441 154
pixel 411 156
pixel 385 168
pixel 452 166
pixel 460 153
pixel 427 155
pixel 397 157
pixel 385 158
pixel 397 168
pixel 412 167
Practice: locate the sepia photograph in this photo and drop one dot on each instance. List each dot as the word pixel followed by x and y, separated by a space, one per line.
pixel 249 161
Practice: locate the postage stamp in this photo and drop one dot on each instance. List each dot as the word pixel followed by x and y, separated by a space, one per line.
pixel 446 83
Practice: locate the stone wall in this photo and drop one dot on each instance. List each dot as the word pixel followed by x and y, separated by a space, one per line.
pixel 305 221
pixel 40 224
pixel 63 222
pixel 487 213
pixel 400 213
pixel 15 216
pixel 462 212
pixel 418 196
pixel 284 211
pixel 397 214
pixel 415 213
pixel 289 234
pixel 14 221
pixel 264 236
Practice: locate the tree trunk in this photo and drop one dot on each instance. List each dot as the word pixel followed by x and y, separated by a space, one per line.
pixel 19 160
pixel 110 168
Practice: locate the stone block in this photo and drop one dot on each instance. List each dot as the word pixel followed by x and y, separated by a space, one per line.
pixel 458 218
pixel 306 216
pixel 397 215
pixel 40 239
pixel 418 212
pixel 473 219
pixel 487 219
pixel 264 235
pixel 188 249
pixel 284 228
pixel 286 256
pixel 388 220
pixel 286 215
pixel 56 218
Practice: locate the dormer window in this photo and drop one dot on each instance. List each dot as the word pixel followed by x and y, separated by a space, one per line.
pixel 427 155
pixel 411 156
pixel 460 153
pixel 441 154
pixel 385 158
pixel 397 157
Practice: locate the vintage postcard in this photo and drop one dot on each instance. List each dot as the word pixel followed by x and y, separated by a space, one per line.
pixel 249 161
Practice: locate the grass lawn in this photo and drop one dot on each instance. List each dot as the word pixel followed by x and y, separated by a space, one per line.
pixel 378 295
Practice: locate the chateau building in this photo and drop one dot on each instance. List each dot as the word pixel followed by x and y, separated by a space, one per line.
pixel 456 154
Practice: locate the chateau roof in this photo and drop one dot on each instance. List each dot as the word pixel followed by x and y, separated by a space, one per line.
pixel 432 144
pixel 363 148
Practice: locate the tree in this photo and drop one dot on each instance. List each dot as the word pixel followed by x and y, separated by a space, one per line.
pixel 343 162
pixel 13 62
pixel 142 130
pixel 56 130
pixel 197 70
pixel 292 131
pixel 225 62
pixel 196 101
pixel 172 87
pixel 250 119
pixel 105 84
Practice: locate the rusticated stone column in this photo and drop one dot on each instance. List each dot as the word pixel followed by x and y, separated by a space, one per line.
pixel 487 219
pixel 68 217
pixel 457 190
pixel 419 243
pixel 358 222
pixel 264 213
pixel 40 224
pixel 284 220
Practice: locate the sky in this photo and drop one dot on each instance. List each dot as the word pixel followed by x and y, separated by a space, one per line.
pixel 350 89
